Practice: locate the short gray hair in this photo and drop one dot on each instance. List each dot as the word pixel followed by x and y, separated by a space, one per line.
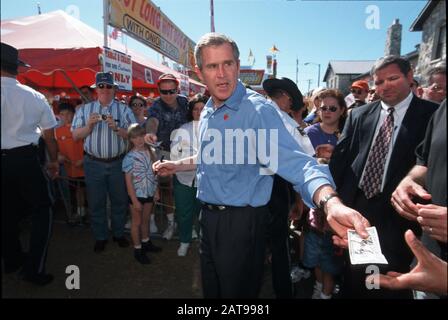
pixel 213 39
pixel 383 62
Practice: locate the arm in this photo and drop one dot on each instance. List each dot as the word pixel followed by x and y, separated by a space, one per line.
pixel 131 192
pixel 410 187
pixel 340 217
pixel 83 132
pixel 152 125
pixel 430 273
pixel 166 168
pixel 52 149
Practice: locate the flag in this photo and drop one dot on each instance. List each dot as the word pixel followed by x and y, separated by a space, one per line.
pixel 115 33
pixel 274 49
pixel 251 58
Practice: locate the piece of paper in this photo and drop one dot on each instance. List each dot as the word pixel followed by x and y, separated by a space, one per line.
pixel 365 251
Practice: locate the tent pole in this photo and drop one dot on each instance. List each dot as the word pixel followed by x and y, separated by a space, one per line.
pixel 84 98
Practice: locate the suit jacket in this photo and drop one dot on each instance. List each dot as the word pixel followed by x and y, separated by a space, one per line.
pixel 350 156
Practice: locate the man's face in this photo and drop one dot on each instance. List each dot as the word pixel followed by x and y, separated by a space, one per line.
pixel 219 71
pixel 359 93
pixel 105 93
pixel 391 85
pixel 168 92
pixel 284 102
pixel 436 90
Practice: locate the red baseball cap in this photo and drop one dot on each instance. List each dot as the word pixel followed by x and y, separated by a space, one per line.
pixel 361 84
pixel 167 77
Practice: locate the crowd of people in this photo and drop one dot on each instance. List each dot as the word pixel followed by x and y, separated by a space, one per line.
pixel 379 161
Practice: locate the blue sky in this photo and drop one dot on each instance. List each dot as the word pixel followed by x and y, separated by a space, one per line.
pixel 312 31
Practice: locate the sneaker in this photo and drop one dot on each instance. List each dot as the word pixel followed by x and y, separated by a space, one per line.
pixel 194 235
pixel 122 242
pixel 140 256
pixel 317 290
pixel 150 247
pixel 183 249
pixel 168 234
pixel 100 245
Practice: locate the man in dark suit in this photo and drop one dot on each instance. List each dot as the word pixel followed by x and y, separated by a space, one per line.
pixel 375 152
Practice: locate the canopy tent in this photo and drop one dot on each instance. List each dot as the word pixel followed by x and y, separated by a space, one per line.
pixel 62 49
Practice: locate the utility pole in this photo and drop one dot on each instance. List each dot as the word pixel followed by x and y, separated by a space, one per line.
pixel 297 70
pixel 212 17
pixel 38 8
pixel 309 84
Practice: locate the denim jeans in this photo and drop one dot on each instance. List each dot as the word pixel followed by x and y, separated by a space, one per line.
pixel 104 179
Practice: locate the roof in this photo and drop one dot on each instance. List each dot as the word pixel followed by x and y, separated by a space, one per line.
pixel 348 67
pixel 417 25
pixel 59 30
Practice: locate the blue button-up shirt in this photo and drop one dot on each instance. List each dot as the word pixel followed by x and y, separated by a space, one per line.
pixel 235 174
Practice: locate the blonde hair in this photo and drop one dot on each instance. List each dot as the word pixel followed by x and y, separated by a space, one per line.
pixel 135 130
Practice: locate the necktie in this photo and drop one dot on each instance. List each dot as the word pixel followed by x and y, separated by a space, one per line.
pixel 374 170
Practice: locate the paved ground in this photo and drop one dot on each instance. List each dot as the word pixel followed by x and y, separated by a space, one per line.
pixel 115 274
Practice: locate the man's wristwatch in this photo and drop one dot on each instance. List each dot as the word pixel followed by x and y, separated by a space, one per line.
pixel 325 199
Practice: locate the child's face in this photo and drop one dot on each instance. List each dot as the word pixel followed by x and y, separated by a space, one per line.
pixel 138 141
pixel 66 116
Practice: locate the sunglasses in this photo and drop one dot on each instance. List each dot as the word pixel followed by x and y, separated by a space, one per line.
pixel 357 91
pixel 137 104
pixel 169 91
pixel 330 108
pixel 102 86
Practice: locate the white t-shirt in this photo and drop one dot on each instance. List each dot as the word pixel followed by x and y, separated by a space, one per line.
pixel 185 142
pixel 292 126
pixel 25 112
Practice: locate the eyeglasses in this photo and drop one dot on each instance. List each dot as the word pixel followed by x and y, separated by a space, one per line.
pixel 356 91
pixel 137 104
pixel 102 86
pixel 169 91
pixel 330 108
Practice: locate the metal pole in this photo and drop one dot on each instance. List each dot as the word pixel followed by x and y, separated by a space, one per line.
pixel 212 17
pixel 297 71
pixel 105 20
pixel 309 84
pixel 318 75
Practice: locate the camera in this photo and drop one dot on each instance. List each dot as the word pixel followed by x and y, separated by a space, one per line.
pixel 104 117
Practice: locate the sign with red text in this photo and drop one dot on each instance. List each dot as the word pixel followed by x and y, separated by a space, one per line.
pixel 120 65
pixel 251 77
pixel 143 20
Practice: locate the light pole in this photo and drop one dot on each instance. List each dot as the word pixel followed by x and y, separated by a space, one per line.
pixel 318 71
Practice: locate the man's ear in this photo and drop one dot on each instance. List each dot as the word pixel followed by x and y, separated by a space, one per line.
pixel 198 72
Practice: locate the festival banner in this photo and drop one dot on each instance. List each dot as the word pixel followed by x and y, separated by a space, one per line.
pixel 143 20
pixel 251 77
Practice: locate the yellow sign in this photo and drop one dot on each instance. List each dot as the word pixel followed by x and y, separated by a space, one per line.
pixel 142 20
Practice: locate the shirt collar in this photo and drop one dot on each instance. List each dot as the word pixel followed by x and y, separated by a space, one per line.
pixel 402 104
pixel 9 80
pixel 233 102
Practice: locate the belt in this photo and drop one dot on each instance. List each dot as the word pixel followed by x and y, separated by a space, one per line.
pixel 215 207
pixel 23 150
pixel 106 160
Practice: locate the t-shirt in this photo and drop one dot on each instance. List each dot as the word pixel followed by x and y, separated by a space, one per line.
pixel 318 136
pixel 71 149
pixel 139 165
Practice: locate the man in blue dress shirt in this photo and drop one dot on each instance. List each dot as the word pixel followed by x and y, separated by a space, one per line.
pixel 235 179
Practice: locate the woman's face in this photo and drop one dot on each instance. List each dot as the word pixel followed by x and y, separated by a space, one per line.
pixel 197 108
pixel 330 111
pixel 138 107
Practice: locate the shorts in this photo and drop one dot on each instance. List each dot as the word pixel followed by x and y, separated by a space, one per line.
pixel 320 252
pixel 142 200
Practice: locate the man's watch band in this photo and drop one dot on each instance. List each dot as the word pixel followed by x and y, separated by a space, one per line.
pixel 325 199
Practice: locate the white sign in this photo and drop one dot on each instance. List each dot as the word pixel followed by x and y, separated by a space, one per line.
pixel 120 65
pixel 184 85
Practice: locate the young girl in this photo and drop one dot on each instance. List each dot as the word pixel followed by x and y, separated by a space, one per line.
pixel 142 190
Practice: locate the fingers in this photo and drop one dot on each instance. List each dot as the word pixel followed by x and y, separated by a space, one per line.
pixel 360 223
pixel 421 253
pixel 340 242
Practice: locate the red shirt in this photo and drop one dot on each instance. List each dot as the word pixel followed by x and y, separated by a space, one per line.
pixel 71 149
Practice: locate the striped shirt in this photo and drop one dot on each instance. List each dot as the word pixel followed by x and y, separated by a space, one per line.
pixel 103 142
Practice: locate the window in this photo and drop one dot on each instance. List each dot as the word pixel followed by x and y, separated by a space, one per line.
pixel 440 47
